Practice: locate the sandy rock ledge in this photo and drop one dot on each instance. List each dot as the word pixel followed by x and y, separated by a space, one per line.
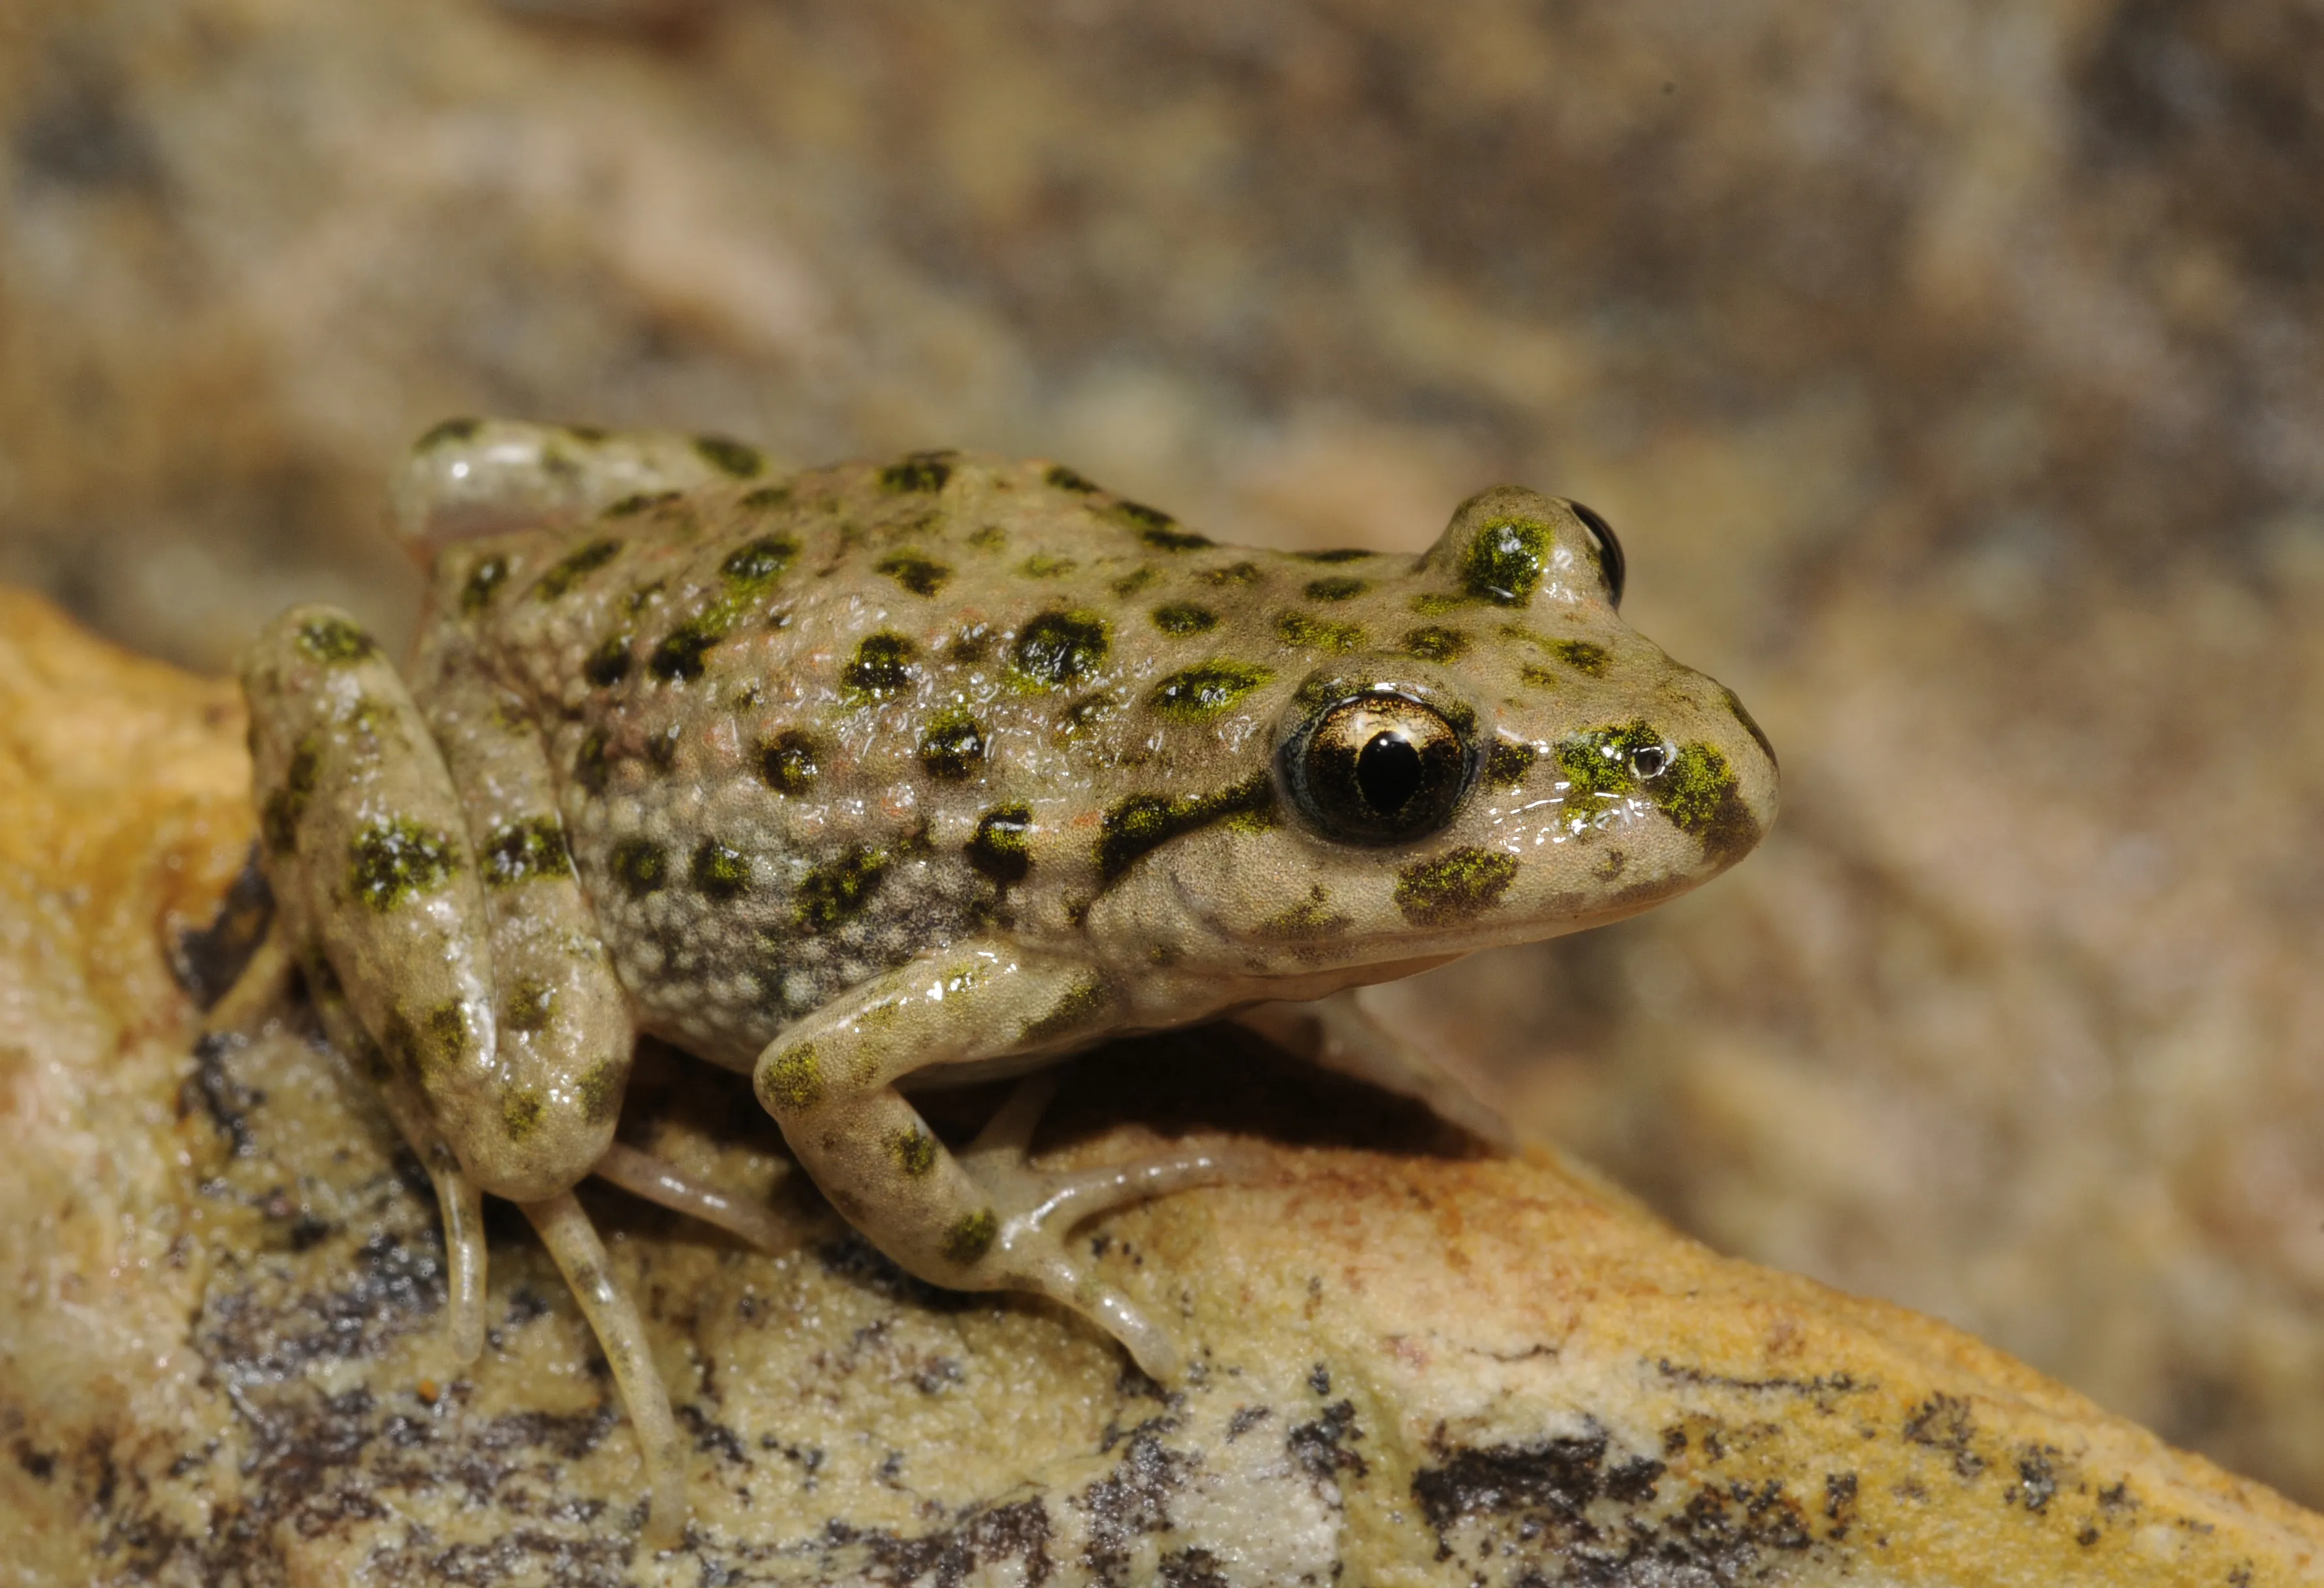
pixel 220 1295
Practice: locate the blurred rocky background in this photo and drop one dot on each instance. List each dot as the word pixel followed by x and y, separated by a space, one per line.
pixel 1954 372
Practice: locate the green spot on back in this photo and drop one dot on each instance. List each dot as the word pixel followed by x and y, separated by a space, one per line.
pixel 720 872
pixel 1205 690
pixel 789 761
pixel 729 457
pixel 952 747
pixel 1003 848
pixel 1041 565
pixel 1144 822
pixel 608 664
pixel 279 821
pixel 1583 656
pixel 1503 562
pixel 640 866
pixel 576 566
pixel 915 573
pixel 1060 648
pixel 391 861
pixel 1156 528
pixel 1065 479
pixel 644 500
pixel 336 641
pixel 678 658
pixel 1454 887
pixel 592 765
pixel 883 665
pixel 522 851
pixel 754 565
pixel 918 471
pixel 767 496
pixel 832 894
pixel 1335 589
pixel 1184 617
pixel 1315 633
pixel 484 582
pixel 1135 580
pixel 1338 554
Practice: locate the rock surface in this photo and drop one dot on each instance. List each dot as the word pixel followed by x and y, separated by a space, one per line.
pixel 220 1299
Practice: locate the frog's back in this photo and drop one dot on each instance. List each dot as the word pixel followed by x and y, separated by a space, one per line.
pixel 807 727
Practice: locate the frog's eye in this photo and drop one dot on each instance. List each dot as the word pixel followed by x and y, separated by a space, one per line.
pixel 1610 551
pixel 1378 768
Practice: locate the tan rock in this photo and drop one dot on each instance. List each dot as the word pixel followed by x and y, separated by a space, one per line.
pixel 220 1296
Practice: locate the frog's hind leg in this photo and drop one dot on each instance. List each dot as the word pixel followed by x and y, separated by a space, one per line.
pixel 565 1229
pixel 985 1219
pixel 467 479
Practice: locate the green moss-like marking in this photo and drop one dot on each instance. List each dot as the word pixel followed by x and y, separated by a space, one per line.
pixel 883 665
pixel 601 1090
pixel 791 1081
pixel 952 747
pixel 1598 764
pixel 1504 561
pixel 521 1114
pixel 920 575
pixel 1232 574
pixel 1315 633
pixel 1143 823
pixel 835 892
pixel 1204 691
pixel 971 1237
pixel 719 870
pixel 1156 528
pixel 1337 554
pixel 1184 617
pixel 1003 848
pixel 1042 566
pixel 1508 761
pixel 1456 886
pixel 1065 479
pixel 790 761
pixel 756 563
pixel 1583 656
pixel 484 582
pixel 529 1006
pixel 592 765
pixel 1075 1011
pixel 1135 580
pixel 576 566
pixel 731 457
pixel 678 658
pixel 391 861
pixel 918 471
pixel 640 866
pixel 1435 643
pixel 1699 793
pixel 642 501
pixel 437 1042
pixel 1060 648
pixel 608 664
pixel 278 818
pixel 451 429
pixel 522 851
pixel 336 641
pixel 1437 603
pixel 913 1152
pixel 1335 589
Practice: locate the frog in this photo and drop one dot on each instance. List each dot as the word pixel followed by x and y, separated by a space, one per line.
pixel 925 771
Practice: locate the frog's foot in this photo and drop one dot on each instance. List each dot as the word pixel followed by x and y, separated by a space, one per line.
pixel 573 1241
pixel 641 1174
pixel 1032 1211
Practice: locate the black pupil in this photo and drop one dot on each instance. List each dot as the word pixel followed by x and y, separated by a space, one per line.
pixel 1388 771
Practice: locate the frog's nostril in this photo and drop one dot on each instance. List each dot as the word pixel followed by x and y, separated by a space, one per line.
pixel 1648 761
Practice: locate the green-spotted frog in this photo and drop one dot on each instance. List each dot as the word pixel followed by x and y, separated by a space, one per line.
pixel 865 777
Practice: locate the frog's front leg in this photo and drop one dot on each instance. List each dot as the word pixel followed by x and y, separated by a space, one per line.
pixel 984 1220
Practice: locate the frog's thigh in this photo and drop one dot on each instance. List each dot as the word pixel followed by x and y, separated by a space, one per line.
pixel 564 1027
pixel 470 477
pixel 830 1078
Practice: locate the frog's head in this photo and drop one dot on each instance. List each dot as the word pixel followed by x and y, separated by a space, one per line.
pixel 1513 764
